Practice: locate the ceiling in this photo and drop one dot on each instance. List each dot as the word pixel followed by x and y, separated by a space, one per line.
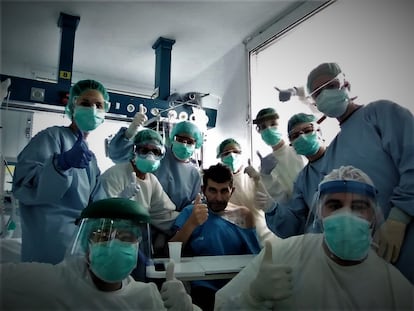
pixel 113 41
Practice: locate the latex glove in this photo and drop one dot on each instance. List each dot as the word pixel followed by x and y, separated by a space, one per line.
pixel 263 199
pixel 389 238
pixel 139 119
pixel 131 189
pixel 251 171
pixel 273 282
pixel 173 292
pixel 267 163
pixel 78 156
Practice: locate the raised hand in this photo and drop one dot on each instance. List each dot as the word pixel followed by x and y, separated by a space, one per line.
pixel 200 212
pixel 139 119
pixel 78 156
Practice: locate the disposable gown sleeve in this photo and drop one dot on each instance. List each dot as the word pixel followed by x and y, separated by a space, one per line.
pixel 120 147
pixel 398 142
pixel 36 179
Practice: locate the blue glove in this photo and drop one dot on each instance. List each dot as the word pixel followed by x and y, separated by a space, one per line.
pixel 79 156
pixel 267 163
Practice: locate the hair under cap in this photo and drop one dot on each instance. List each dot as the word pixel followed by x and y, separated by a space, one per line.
pixel 224 144
pixel 300 118
pixel 331 70
pixel 265 114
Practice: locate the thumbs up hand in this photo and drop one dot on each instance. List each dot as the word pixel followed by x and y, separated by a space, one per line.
pixel 200 212
pixel 267 163
pixel 273 282
pixel 252 172
pixel 131 189
pixel 139 119
pixel 78 156
pixel 173 292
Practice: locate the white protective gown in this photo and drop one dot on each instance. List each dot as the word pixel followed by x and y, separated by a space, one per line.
pixel 279 183
pixel 68 286
pixel 151 196
pixel 321 284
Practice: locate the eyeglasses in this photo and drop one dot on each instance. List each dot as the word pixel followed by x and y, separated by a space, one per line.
pixel 227 152
pixel 86 103
pixel 184 140
pixel 144 150
pixel 305 130
pixel 108 235
pixel 265 124
pixel 332 84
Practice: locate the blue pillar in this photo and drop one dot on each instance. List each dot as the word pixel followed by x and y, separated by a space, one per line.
pixel 68 25
pixel 162 49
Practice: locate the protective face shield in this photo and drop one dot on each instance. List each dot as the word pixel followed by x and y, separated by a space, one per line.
pixel 110 246
pixel 347 210
pixel 271 136
pixel 88 118
pixel 232 160
pixel 182 151
pixel 332 97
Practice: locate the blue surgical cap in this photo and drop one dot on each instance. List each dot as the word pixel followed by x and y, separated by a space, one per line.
pixel 300 118
pixel 330 70
pixel 224 144
pixel 189 128
pixel 81 86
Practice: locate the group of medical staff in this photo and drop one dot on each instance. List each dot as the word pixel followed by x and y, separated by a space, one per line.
pixel 57 176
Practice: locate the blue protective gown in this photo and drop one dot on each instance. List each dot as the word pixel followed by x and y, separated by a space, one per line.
pixel 379 139
pixel 181 181
pixel 51 200
pixel 217 237
pixel 291 217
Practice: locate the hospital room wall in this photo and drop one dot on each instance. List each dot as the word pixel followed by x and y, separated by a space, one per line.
pixel 371 40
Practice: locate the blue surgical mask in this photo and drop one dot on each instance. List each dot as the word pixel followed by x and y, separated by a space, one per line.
pixel 332 102
pixel 306 144
pixel 88 118
pixel 347 236
pixel 271 136
pixel 232 161
pixel 182 151
pixel 113 261
pixel 147 164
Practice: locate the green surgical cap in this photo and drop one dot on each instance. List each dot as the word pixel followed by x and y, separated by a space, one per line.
pixel 116 208
pixel 82 86
pixel 224 144
pixel 331 70
pixel 148 135
pixel 265 114
pixel 300 118
pixel 189 128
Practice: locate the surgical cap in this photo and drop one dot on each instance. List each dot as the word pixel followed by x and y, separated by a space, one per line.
pixel 300 118
pixel 330 70
pixel 116 208
pixel 189 128
pixel 265 114
pixel 224 144
pixel 148 135
pixel 82 86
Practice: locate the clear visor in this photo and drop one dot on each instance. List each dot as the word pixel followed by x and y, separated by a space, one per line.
pixel 105 105
pixel 104 230
pixel 335 83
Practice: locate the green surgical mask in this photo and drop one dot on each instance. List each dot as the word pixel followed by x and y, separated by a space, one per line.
pixel 147 164
pixel 232 161
pixel 306 144
pixel 271 136
pixel 113 261
pixel 88 118
pixel 182 151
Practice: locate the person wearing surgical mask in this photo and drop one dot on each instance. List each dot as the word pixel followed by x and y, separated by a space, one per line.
pixel 377 137
pixel 289 218
pixel 179 177
pixel 337 269
pixel 95 273
pixel 135 180
pixel 230 154
pixel 57 175
pixel 278 169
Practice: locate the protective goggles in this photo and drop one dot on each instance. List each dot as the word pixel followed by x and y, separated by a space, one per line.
pixel 294 134
pixel 105 105
pixel 266 123
pixel 184 140
pixel 109 229
pixel 143 150
pixel 335 83
pixel 228 152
